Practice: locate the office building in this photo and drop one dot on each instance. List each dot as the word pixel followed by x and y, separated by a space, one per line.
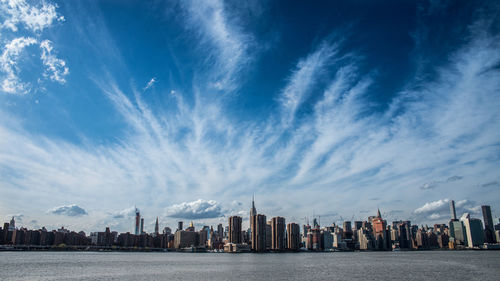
pixel 474 231
pixel 259 226
pixel 235 229
pixel 452 210
pixel 278 242
pixel 137 221
pixel 293 236
pixel 489 231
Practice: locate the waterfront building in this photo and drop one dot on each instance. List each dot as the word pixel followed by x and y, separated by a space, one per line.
pixel 457 232
pixel 327 237
pixel 235 229
pixel 452 210
pixel 157 227
pixel 137 221
pixel 220 231
pixel 278 240
pixel 474 231
pixel 184 238
pixel 366 241
pixel 380 232
pixel 12 224
pixel 269 236
pixel 489 231
pixel 293 236
pixel 259 226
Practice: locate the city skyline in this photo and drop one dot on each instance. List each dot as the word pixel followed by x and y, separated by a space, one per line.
pixel 186 109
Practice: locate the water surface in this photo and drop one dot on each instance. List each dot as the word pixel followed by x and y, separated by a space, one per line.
pixel 430 265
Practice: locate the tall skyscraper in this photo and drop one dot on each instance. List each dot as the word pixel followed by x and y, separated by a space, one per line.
pixel 137 221
pixel 157 227
pixel 235 229
pixel 258 223
pixel 380 232
pixel 452 210
pixel 293 236
pixel 278 242
pixel 489 231
pixel 474 231
pixel 179 225
pixel 142 225
pixel 220 231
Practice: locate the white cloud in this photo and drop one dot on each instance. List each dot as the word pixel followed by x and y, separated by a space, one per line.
pixel 56 68
pixel 338 153
pixel 434 206
pixel 35 18
pixel 150 83
pixel 69 210
pixel 199 209
pixel 217 28
pixel 8 63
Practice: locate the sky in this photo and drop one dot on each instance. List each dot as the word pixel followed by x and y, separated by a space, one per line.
pixel 187 109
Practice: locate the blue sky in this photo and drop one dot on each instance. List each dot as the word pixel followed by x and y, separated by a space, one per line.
pixel 187 108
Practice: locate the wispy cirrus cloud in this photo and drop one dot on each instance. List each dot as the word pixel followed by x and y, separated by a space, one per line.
pixel 336 153
pixel 215 27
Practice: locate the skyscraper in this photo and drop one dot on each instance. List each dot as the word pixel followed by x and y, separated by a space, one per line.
pixel 452 210
pixel 489 232
pixel 474 231
pixel 142 225
pixel 220 231
pixel 235 229
pixel 278 242
pixel 157 227
pixel 258 223
pixel 293 236
pixel 380 232
pixel 179 225
pixel 137 221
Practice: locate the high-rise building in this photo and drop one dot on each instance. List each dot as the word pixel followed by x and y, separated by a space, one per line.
pixel 293 236
pixel 235 229
pixel 452 210
pixel 489 231
pixel 179 225
pixel 142 225
pixel 157 227
pixel 474 231
pixel 220 231
pixel 380 232
pixel 12 225
pixel 137 221
pixel 457 232
pixel 278 242
pixel 258 223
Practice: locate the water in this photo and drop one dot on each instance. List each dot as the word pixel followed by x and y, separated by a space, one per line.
pixel 435 265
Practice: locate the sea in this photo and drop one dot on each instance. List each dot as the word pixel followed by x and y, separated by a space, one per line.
pixel 413 265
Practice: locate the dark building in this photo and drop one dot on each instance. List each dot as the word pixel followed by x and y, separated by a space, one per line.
pixel 489 231
pixel 293 236
pixel 259 225
pixel 278 242
pixel 185 239
pixel 179 226
pixel 235 230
